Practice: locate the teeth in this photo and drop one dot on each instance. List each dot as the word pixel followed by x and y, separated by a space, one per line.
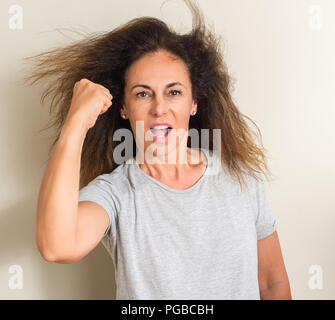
pixel 159 127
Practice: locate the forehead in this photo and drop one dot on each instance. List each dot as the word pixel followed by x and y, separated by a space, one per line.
pixel 157 66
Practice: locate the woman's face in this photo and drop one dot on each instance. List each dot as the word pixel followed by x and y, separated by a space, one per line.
pixel 158 90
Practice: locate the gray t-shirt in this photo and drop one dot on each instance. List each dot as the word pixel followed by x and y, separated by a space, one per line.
pixel 198 243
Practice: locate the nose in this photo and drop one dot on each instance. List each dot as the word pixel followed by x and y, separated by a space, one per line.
pixel 159 106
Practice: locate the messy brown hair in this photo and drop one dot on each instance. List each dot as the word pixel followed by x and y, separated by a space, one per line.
pixel 104 58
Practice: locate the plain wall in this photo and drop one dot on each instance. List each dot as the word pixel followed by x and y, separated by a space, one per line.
pixel 281 55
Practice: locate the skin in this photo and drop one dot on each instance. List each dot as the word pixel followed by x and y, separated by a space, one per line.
pixel 272 277
pixel 161 104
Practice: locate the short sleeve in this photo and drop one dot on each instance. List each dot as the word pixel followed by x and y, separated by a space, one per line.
pixel 266 224
pixel 100 191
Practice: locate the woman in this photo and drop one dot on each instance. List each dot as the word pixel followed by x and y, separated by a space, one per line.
pixel 197 228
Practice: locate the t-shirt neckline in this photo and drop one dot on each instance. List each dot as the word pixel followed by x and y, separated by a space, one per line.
pixel 166 187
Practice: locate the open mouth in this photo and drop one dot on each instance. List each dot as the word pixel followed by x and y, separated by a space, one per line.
pixel 160 132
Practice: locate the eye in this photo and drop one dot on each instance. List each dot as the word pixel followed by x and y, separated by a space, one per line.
pixel 143 93
pixel 176 91
pixel 139 94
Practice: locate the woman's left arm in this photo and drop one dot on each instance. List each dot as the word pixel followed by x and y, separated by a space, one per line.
pixel 272 277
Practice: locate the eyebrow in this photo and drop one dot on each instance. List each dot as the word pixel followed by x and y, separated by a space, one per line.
pixel 148 87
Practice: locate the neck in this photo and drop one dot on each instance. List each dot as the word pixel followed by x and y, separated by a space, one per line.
pixel 173 165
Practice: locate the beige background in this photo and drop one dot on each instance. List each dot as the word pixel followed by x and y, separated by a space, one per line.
pixel 282 57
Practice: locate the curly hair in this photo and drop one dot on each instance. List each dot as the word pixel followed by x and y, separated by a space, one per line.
pixel 104 57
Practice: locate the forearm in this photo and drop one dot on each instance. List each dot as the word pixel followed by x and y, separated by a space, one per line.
pixel 278 291
pixel 58 196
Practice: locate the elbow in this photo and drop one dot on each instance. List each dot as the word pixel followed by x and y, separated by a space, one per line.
pixel 50 256
pixel 47 256
pixel 277 291
pixel 59 256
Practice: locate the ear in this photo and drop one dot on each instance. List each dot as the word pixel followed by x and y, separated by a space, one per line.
pixel 122 110
pixel 195 105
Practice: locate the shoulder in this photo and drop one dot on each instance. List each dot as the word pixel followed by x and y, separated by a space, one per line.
pixel 114 182
pixel 252 186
